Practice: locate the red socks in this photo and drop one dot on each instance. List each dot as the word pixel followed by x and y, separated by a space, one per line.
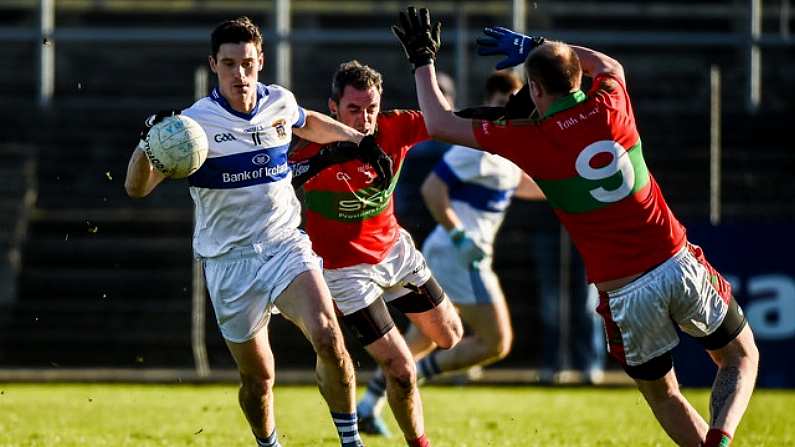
pixel 422 441
pixel 717 438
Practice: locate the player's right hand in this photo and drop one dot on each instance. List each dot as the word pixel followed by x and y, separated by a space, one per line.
pixel 468 250
pixel 420 39
pixel 151 120
pixel 370 152
pixel 514 46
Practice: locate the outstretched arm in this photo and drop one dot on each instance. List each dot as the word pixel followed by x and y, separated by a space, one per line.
pixel 517 46
pixel 421 41
pixel 595 63
pixel 366 151
pixel 324 129
pixel 441 122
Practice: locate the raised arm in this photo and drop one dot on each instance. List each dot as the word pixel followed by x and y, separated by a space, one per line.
pixel 323 129
pixel 421 41
pixel 441 122
pixel 515 47
pixel 595 63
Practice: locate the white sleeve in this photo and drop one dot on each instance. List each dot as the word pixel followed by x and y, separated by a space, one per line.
pixel 463 162
pixel 296 115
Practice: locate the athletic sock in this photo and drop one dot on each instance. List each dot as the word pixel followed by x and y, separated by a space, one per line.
pixel 347 429
pixel 717 438
pixel 270 441
pixel 422 441
pixel 427 367
pixel 374 396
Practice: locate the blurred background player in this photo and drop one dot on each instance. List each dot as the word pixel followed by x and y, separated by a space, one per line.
pixel 467 193
pixel 368 259
pixel 246 232
pixel 586 155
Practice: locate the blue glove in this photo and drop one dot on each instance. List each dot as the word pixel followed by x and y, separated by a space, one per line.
pixel 468 250
pixel 515 46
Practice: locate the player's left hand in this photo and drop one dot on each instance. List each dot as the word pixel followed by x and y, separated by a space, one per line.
pixel 370 152
pixel 151 120
pixel 420 39
pixel 469 251
pixel 514 46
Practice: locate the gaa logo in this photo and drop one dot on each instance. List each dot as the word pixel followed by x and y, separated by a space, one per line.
pixel 223 137
pixel 261 159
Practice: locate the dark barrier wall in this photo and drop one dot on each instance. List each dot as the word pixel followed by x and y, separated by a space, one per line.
pixel 757 260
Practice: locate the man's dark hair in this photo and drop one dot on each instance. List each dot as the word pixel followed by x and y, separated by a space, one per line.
pixel 358 76
pixel 239 30
pixel 502 82
pixel 556 67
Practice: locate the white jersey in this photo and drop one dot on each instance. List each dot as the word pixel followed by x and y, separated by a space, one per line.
pixel 242 193
pixel 480 187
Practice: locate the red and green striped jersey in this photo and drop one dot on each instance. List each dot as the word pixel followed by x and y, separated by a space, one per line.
pixel 586 155
pixel 349 221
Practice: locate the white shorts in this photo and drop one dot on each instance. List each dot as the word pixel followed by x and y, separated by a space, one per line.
pixel 640 317
pixel 464 285
pixel 356 287
pixel 244 283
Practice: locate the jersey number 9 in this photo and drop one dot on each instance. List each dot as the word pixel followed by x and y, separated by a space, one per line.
pixel 620 162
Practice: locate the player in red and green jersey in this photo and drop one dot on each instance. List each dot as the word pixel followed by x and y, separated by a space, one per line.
pixel 585 153
pixel 368 259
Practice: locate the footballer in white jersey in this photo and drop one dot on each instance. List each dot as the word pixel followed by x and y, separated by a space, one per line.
pixel 480 186
pixel 242 192
pixel 246 232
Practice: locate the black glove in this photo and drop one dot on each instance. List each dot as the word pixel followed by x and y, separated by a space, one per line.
pixel 485 113
pixel 420 39
pixel 370 152
pixel 151 120
pixel 328 155
pixel 519 106
pixel 366 151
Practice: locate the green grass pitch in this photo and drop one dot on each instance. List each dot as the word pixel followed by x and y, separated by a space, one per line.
pixel 97 415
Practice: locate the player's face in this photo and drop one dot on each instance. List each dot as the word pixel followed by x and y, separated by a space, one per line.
pixel 237 66
pixel 358 108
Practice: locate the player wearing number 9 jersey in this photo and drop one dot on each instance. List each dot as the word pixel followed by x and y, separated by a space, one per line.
pixel 585 153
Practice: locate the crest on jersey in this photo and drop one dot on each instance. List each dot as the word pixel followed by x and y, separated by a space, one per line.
pixel 261 159
pixel 280 129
